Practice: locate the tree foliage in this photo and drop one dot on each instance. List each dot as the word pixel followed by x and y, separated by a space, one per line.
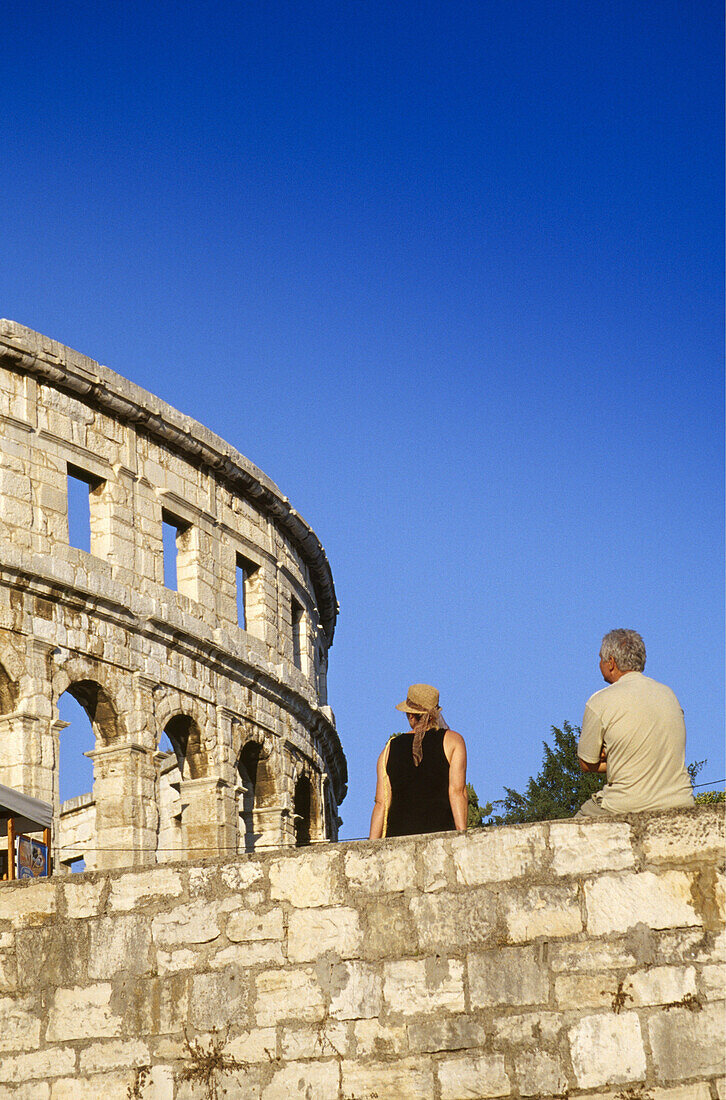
pixel 475 813
pixel 558 791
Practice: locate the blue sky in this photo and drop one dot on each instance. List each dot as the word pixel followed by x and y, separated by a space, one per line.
pixel 451 274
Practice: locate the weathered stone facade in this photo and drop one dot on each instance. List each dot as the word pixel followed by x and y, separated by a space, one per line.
pixel 257 761
pixel 562 959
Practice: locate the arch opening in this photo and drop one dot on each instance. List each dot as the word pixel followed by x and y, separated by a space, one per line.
pixel 257 793
pixel 302 809
pixel 186 741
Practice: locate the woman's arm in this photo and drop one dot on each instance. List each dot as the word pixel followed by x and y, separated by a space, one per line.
pixel 376 830
pixel 455 750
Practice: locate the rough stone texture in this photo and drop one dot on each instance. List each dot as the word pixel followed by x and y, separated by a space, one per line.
pixel 607 1049
pixel 309 982
pixel 257 762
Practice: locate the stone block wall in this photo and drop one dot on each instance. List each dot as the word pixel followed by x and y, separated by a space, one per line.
pixel 562 959
pixel 141 658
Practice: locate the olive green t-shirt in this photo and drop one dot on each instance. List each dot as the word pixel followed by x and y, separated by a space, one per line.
pixel 639 722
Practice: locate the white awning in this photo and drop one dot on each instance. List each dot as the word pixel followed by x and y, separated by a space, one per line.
pixel 30 814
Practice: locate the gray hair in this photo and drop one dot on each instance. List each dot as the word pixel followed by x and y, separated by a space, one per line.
pixel 627 647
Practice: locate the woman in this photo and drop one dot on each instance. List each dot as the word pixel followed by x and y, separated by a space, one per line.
pixel 421 775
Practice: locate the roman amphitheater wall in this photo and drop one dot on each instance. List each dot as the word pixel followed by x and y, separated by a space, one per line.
pixel 240 694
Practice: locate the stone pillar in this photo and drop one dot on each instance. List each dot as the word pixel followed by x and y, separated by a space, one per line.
pixel 208 817
pixel 123 790
pixel 27 755
pixel 270 824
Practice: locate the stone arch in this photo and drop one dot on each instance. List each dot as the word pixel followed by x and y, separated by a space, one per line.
pixel 258 793
pixel 186 740
pixel 88 683
pixel 180 719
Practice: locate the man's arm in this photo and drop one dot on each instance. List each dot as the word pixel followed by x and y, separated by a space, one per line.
pixel 376 830
pixel 455 750
pixel 591 743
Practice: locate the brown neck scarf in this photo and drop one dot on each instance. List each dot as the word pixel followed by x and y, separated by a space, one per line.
pixel 429 720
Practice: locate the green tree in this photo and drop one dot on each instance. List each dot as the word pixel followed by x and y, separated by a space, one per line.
pixel 558 791
pixel 475 813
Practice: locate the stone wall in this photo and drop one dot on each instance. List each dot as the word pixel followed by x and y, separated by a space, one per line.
pixel 244 705
pixel 563 959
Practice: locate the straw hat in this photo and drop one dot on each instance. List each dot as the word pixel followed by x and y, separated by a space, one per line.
pixel 421 699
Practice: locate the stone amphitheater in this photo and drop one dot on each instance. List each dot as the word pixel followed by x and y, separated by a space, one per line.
pixel 231 666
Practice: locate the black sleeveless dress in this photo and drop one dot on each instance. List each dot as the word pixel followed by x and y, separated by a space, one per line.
pixel 419 795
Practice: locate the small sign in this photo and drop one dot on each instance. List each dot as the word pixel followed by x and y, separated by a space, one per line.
pixel 32 858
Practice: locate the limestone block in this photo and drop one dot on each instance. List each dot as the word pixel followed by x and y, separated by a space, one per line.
pixel 508 975
pixel 684 837
pixel 607 1050
pixel 288 995
pixel 117 944
pixel 405 1079
pixel 218 999
pixel 589 956
pixel 436 864
pixel 721 1088
pixel 42 1064
pixel 35 1090
pixel 586 990
pixel 616 903
pixel 586 849
pixel 328 1040
pixel 387 924
pixel 305 881
pixel 411 986
pixel 267 952
pixel 472 1077
pixel 374 1039
pixel 258 1045
pixel 115 1054
pixel 695 1091
pixel 687 1043
pixel 661 985
pixel 445 921
pixel 445 1033
pixel 19 1023
pixel 155 1006
pixel 495 855
pixel 138 888
pixel 713 981
pixel 355 992
pixel 82 1013
pixel 195 922
pixel 549 911
pixel 8 973
pixel 25 905
pixel 110 1086
pixel 304 1080
pixel 245 925
pixel 540 1074
pixel 171 962
pixel 83 899
pixel 312 932
pixel 382 870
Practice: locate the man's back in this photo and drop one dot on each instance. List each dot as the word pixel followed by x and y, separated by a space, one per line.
pixel 639 722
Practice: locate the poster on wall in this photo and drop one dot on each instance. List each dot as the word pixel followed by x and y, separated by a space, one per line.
pixel 31 858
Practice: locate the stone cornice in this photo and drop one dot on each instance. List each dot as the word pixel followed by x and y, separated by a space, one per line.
pixel 22 349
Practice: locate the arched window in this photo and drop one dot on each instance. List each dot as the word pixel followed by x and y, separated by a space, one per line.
pixel 87 718
pixel 185 738
pixel 258 794
pixel 301 810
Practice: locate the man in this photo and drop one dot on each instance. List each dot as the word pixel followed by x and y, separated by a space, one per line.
pixel 421 775
pixel 633 730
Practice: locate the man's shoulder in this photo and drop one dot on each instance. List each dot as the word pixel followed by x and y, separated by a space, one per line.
pixel 596 701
